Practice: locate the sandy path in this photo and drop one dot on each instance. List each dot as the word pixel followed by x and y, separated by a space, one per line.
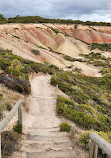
pixel 42 104
pixel 41 125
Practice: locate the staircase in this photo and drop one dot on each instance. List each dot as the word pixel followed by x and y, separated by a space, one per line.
pixel 41 125
pixel 47 143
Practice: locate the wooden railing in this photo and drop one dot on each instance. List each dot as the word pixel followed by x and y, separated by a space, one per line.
pixel 95 142
pixel 8 118
pixel 98 142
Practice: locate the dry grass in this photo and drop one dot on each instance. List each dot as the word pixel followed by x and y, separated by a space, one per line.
pixel 80 153
pixel 9 96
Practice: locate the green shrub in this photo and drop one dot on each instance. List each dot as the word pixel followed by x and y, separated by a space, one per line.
pixel 67 109
pixel 103 47
pixel 75 27
pixel 18 128
pixel 68 58
pixel 1 95
pixel 9 143
pixel 42 47
pixel 99 60
pixel 35 52
pixel 77 70
pixel 8 107
pixel 56 31
pixel 65 127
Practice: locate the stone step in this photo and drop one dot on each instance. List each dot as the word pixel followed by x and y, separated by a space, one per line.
pixel 54 129
pixel 48 134
pixel 52 145
pixel 52 154
pixel 34 148
pixel 47 142
pixel 48 138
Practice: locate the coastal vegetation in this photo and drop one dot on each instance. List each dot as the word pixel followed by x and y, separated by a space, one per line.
pixel 38 19
pixel 89 103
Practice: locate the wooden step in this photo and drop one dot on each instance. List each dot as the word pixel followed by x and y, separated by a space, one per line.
pixel 52 154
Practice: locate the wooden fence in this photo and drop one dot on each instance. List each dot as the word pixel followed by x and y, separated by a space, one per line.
pixel 95 142
pixel 8 118
pixel 98 142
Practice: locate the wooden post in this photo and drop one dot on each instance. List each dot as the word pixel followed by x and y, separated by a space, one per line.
pixel 72 131
pixel 96 151
pixel 20 115
pixel 0 146
pixel 56 87
pixel 93 149
pixel 97 141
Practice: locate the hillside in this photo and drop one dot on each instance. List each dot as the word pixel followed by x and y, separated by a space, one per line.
pixel 36 57
pixel 50 40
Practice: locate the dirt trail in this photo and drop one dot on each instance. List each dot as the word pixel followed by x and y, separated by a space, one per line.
pixel 41 125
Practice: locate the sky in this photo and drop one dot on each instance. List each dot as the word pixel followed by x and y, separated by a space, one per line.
pixel 93 10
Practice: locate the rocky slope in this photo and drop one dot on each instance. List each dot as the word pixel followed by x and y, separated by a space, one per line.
pixel 51 39
pixel 60 38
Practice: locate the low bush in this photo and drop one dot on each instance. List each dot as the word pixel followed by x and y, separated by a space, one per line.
pixel 9 143
pixel 35 52
pixel 18 128
pixel 56 31
pixel 86 116
pixel 66 57
pixel 1 95
pixel 70 110
pixel 98 60
pixel 77 70
pixel 8 107
pixel 103 47
pixel 65 127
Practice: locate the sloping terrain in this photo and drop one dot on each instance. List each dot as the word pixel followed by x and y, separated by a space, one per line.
pixel 32 36
pixel 90 34
pixel 52 41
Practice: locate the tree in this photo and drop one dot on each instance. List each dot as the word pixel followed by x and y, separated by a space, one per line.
pixel 1 17
pixel 75 27
pixel 18 16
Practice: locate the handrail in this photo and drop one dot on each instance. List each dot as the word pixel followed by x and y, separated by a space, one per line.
pixel 97 141
pixel 8 118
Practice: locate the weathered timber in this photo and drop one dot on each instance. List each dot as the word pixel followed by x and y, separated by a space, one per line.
pixel 97 141
pixel 0 146
pixel 93 150
pixel 20 115
pixel 72 131
pixel 8 118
